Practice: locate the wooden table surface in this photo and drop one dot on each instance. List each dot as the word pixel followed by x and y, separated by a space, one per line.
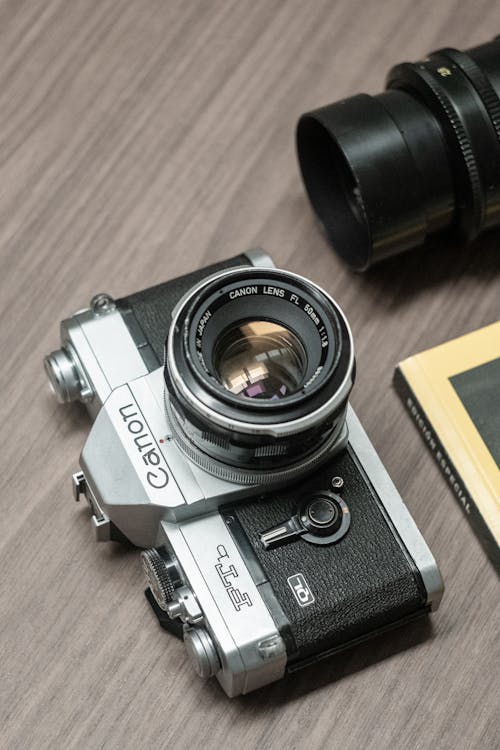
pixel 140 140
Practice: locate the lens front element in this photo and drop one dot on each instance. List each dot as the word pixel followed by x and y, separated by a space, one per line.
pixel 260 359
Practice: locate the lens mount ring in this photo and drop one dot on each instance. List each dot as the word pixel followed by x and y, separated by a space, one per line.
pixel 420 78
pixel 231 473
pixel 245 416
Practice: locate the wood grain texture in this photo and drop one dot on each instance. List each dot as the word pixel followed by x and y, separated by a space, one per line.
pixel 139 140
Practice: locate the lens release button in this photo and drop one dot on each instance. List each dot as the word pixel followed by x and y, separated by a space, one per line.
pixel 323 512
pixel 325 518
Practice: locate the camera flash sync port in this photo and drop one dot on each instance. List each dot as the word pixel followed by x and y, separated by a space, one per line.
pixel 337 483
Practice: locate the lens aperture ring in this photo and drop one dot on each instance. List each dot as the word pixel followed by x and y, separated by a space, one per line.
pixel 419 79
pixel 231 473
pixel 482 85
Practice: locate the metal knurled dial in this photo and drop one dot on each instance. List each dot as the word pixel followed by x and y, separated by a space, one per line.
pixel 157 577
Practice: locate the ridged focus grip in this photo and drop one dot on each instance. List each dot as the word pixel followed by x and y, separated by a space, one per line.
pixel 148 313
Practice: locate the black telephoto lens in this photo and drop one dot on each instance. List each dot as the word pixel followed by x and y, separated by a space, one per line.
pixel 384 173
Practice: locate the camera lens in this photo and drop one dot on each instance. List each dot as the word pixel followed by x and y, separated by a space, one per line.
pixel 385 173
pixel 260 359
pixel 258 371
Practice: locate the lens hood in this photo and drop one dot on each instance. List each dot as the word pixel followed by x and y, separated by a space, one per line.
pixel 386 173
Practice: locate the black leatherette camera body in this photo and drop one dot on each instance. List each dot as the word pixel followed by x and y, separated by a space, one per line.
pixel 364 583
pixel 261 568
pixel 148 313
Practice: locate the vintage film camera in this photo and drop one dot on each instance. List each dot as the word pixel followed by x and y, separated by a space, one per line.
pixel 273 535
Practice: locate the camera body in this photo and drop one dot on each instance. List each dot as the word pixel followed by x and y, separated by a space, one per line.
pixel 260 578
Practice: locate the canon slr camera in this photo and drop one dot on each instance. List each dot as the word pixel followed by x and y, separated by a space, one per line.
pixel 224 445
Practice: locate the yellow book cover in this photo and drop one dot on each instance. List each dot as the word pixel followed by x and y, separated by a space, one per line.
pixel 453 394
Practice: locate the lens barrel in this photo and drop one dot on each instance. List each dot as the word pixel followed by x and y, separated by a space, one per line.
pixel 259 367
pixel 384 173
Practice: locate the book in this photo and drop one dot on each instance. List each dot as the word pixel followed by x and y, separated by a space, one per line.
pixel 452 392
